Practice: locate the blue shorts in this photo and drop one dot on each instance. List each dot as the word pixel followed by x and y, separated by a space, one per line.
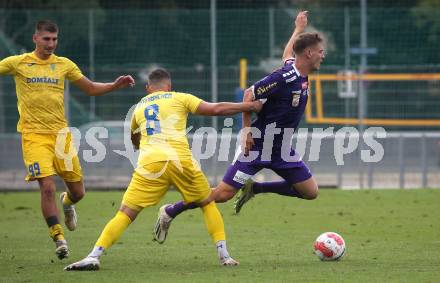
pixel 239 172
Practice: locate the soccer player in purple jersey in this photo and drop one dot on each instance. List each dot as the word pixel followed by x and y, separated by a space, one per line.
pixel 284 93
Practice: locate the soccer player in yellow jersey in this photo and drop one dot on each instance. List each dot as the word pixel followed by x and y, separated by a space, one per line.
pixel 158 129
pixel 39 78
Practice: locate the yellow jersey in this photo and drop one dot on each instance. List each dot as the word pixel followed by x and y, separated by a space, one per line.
pixel 40 90
pixel 161 119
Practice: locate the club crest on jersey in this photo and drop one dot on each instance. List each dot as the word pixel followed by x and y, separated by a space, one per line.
pixel 304 85
pixel 295 98
pixel 52 66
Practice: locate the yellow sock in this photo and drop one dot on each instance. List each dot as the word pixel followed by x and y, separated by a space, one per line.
pixel 113 230
pixel 214 222
pixel 56 232
pixel 67 200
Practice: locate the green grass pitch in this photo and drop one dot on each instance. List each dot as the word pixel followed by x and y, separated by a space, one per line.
pixel 391 236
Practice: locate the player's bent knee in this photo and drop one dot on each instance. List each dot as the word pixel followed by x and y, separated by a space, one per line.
pixel 307 189
pixel 76 190
pixel 312 196
pixel 312 193
pixel 131 213
pixel 77 196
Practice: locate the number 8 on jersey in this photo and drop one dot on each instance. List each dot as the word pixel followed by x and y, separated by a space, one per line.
pixel 153 124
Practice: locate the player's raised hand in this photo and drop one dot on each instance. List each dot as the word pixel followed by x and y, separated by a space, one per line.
pixel 123 81
pixel 301 20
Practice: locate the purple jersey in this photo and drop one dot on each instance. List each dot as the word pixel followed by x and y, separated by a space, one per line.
pixel 284 93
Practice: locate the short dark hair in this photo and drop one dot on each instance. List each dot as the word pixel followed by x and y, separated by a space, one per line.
pixel 158 76
pixel 46 25
pixel 306 40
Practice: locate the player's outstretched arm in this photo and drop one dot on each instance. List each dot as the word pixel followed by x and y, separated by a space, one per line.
pixel 95 89
pixel 300 26
pixel 227 108
pixel 248 96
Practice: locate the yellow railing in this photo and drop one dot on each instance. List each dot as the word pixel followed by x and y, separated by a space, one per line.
pixel 318 95
pixel 243 73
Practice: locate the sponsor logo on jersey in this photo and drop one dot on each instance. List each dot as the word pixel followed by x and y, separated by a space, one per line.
pixel 263 89
pixel 42 80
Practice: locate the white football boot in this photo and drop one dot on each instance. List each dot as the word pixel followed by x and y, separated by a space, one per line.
pixel 163 223
pixel 62 250
pixel 228 261
pixel 86 264
pixel 70 217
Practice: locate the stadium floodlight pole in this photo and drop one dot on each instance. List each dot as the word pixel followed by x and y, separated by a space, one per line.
pixel 347 51
pixel 346 72
pixel 214 82
pixel 271 19
pixel 362 92
pixel 92 61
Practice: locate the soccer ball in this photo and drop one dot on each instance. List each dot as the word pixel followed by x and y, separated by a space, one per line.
pixel 329 246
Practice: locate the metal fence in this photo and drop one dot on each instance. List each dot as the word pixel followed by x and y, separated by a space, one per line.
pixel 107 43
pixel 203 53
pixel 410 160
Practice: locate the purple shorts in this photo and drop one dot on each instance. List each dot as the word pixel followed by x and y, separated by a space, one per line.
pixel 239 172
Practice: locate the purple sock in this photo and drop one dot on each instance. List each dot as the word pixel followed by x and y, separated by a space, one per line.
pixel 281 188
pixel 175 209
